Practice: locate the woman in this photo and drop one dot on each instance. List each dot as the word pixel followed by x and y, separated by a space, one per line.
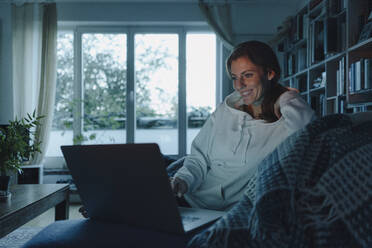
pixel 245 128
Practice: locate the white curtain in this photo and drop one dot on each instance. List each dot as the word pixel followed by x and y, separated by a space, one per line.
pixel 34 65
pixel 218 16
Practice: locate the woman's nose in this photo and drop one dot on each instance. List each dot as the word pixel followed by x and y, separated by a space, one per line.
pixel 241 83
pixel 237 84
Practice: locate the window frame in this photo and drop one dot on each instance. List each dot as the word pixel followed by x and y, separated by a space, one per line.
pixel 130 31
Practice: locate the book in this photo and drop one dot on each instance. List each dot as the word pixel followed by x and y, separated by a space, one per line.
pixel 301 58
pixel 338 80
pixel 330 40
pixel 331 106
pixel 319 41
pixel 368 73
pixel 305 24
pixel 290 63
pixel 299 27
pixel 341 83
pixel 361 75
pixel 342 35
pixel 357 78
pixel 351 78
pixel 311 42
pixel 323 104
pixel 341 107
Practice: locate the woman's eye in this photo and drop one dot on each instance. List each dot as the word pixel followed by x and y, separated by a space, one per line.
pixel 248 75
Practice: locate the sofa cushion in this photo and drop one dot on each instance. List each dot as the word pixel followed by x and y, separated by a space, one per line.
pixel 360 117
pixel 175 166
pixel 92 233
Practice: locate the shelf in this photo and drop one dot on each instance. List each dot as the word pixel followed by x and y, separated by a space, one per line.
pixel 332 98
pixel 360 97
pixel 317 10
pixel 300 43
pixel 338 15
pixel 335 57
pixel 317 65
pixel 297 74
pixel 329 55
pixel 317 90
pixel 362 45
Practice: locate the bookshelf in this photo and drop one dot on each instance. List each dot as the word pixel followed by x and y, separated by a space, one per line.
pixel 325 58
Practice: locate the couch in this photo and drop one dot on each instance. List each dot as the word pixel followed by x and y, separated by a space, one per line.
pixel 314 190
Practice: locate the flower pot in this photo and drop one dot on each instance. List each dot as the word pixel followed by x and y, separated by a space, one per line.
pixel 4 185
pixel 5 195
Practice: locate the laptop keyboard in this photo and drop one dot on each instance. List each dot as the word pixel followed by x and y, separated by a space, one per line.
pixel 189 219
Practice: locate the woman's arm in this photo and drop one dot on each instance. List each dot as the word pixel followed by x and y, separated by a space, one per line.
pixel 295 110
pixel 196 163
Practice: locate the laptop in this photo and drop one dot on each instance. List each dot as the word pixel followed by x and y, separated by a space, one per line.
pixel 128 183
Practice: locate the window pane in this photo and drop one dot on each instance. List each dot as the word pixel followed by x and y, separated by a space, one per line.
pixel 104 80
pixel 61 133
pixel 200 81
pixel 156 75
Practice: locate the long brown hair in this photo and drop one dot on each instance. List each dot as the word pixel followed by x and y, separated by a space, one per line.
pixel 261 55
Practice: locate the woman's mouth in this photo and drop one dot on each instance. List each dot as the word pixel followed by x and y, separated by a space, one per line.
pixel 246 93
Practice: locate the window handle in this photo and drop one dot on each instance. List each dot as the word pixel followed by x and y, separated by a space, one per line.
pixel 131 96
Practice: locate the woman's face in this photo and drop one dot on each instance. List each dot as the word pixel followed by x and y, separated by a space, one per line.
pixel 247 77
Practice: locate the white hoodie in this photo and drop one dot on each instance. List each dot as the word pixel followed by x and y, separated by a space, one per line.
pixel 226 152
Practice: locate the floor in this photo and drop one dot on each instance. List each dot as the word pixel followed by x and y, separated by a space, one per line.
pixel 21 235
pixel 48 217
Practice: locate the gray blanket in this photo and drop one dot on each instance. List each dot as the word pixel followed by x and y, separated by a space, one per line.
pixel 314 190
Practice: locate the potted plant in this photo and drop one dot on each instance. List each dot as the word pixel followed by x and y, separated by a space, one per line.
pixel 16 147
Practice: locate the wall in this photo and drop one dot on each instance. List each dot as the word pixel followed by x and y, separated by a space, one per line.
pixel 259 20
pixel 130 12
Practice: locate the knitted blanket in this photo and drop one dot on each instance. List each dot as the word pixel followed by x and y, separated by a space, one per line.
pixel 314 190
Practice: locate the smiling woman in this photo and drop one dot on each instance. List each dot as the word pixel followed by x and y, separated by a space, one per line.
pixel 243 130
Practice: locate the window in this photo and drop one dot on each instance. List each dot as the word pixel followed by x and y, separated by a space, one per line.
pixel 133 85
pixel 200 81
pixel 104 85
pixel 156 77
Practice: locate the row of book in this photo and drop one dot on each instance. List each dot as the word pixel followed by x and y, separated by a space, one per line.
pixel 318 104
pixel 322 106
pixel 360 75
pixel 328 37
pixel 296 62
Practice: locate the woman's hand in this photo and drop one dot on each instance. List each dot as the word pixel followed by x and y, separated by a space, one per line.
pixel 179 186
pixel 83 212
pixel 276 105
pixel 277 110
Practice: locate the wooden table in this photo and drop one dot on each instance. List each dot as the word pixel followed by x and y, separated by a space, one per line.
pixel 29 201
